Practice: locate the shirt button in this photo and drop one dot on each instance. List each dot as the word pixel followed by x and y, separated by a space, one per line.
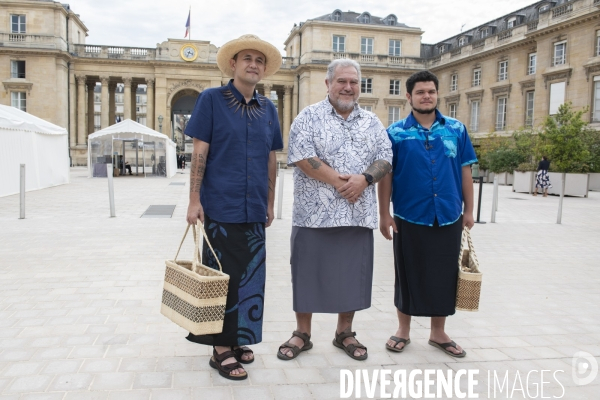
pixel 249 159
pixel 433 161
pixel 248 195
pixel 435 195
pixel 248 176
pixel 434 178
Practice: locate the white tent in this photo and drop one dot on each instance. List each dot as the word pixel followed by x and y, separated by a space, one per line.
pixel 147 151
pixel 43 148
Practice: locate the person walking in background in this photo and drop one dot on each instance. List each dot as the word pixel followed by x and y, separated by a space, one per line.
pixel 542 180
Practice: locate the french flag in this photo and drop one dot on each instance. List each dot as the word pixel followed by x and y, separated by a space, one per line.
pixel 187 25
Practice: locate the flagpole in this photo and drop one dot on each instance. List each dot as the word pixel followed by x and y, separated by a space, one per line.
pixel 190 14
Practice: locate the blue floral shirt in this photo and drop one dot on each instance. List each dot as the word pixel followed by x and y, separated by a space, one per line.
pixel 349 147
pixel 427 168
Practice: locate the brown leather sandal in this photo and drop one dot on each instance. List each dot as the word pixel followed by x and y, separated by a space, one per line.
pixel 240 351
pixel 338 342
pixel 397 341
pixel 295 349
pixel 225 370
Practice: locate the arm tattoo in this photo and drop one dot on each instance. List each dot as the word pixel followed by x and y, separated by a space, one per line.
pixel 379 169
pixel 271 185
pixel 197 172
pixel 314 163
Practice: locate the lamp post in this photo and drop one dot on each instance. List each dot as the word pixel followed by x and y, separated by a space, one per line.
pixel 160 121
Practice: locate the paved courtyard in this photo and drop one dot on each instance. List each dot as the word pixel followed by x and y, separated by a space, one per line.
pixel 80 297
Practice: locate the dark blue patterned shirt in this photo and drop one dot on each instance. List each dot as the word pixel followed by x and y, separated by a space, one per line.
pixel 241 136
pixel 427 168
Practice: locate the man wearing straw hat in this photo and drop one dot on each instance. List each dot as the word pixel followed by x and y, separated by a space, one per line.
pixel 232 191
pixel 429 184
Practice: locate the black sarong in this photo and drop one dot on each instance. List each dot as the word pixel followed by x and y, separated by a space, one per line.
pixel 426 260
pixel 241 251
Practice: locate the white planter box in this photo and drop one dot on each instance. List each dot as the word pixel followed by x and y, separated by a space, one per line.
pixel 595 181
pixel 505 178
pixel 524 182
pixel 576 184
pixel 490 177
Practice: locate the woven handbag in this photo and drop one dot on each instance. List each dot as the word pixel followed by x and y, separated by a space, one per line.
pixel 469 276
pixel 194 295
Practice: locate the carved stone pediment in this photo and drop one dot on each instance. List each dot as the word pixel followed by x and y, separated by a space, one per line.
pixel 528 84
pixel 557 75
pixel 475 95
pixel 368 101
pixel 592 67
pixel 394 102
pixel 503 90
pixel 452 99
pixel 188 83
pixel 17 84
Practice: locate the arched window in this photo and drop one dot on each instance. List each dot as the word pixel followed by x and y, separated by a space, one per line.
pixel 391 20
pixel 336 16
pixel 365 18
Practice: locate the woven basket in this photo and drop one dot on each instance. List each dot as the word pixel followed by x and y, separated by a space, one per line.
pixel 469 276
pixel 194 295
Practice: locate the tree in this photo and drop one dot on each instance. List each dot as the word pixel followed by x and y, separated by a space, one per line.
pixel 568 141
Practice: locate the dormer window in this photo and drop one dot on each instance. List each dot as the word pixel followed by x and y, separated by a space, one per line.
pixel 336 16
pixel 544 8
pixel 463 40
pixel 442 49
pixel 364 18
pixel 511 22
pixel 485 32
pixel 391 20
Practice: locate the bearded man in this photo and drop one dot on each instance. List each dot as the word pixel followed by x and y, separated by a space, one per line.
pixel 340 152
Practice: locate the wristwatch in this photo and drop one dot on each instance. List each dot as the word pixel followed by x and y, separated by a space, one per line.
pixel 369 178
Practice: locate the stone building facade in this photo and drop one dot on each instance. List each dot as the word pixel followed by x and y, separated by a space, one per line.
pixel 508 73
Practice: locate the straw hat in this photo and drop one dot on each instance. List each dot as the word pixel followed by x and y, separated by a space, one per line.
pixel 248 42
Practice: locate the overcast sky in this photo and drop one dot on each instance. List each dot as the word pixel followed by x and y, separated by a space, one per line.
pixel 144 23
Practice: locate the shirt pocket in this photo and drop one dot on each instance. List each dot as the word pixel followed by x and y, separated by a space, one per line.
pixel 450 143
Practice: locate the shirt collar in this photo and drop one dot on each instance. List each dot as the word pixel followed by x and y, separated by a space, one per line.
pixel 240 97
pixel 412 121
pixel 356 111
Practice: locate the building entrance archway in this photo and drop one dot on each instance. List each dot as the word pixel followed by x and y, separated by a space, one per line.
pixel 182 105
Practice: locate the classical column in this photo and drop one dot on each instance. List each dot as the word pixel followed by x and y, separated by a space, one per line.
pixel 295 103
pixel 133 101
pixel 150 103
pixel 112 88
pixel 104 99
pixel 287 114
pixel 267 87
pixel 127 98
pixel 80 109
pixel 280 109
pixel 91 109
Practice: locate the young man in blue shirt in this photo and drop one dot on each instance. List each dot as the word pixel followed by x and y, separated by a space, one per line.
pixel 429 184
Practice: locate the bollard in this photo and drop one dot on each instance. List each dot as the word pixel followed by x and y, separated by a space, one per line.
pixel 480 179
pixel 494 200
pixel 22 196
pixel 562 196
pixel 280 193
pixel 111 190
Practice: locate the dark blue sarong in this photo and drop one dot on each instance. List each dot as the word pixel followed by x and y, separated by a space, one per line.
pixel 241 251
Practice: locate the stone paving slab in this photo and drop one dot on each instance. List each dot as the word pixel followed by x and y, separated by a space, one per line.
pixel 80 299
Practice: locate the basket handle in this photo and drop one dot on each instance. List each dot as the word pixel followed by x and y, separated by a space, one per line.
pixel 196 260
pixel 466 234
pixel 197 247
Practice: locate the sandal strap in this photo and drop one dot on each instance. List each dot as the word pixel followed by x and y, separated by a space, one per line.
pixel 339 337
pixel 241 350
pixel 223 356
pixel 449 344
pixel 227 368
pixel 287 345
pixel 398 340
pixel 305 337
